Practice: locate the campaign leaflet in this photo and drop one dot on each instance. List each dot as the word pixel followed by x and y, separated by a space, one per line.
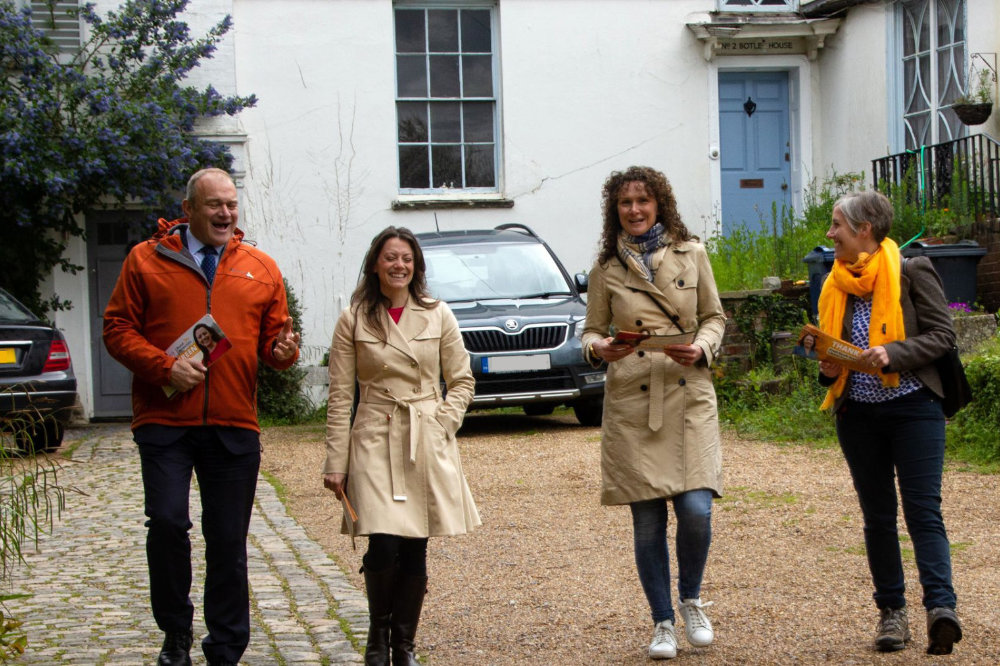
pixel 204 342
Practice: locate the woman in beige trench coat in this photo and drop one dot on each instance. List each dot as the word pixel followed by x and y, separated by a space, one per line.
pixel 399 463
pixel 660 433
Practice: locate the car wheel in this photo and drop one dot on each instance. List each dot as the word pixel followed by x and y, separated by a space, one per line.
pixel 539 408
pixel 589 412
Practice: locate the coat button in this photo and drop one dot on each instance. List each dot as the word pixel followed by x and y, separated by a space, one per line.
pixel 387 390
pixel 680 283
pixel 416 389
pixel 385 367
pixel 638 322
pixel 682 381
pixel 643 388
pixel 641 353
pixel 413 364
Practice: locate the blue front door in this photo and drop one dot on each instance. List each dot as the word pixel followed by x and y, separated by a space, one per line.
pixel 754 146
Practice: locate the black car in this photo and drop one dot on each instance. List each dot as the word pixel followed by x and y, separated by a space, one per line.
pixel 37 384
pixel 521 317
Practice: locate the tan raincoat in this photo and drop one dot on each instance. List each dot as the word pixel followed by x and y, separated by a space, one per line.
pixel 660 435
pixel 404 473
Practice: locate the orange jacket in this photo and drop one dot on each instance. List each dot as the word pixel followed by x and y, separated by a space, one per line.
pixel 160 293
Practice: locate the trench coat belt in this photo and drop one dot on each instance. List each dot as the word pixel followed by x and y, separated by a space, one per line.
pixel 657 374
pixel 395 442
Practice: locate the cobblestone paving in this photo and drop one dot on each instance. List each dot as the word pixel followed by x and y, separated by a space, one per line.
pixel 89 591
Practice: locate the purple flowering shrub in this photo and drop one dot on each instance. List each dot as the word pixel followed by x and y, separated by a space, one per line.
pixel 109 123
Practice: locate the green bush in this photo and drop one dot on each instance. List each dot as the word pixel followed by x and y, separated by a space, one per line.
pixel 972 433
pixel 280 397
pixel 779 246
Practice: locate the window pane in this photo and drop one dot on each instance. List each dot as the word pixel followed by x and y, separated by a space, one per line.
pixel 410 31
pixel 444 76
pixel 477 76
pixel 442 24
pixel 476 31
pixel 478 121
pixel 411 76
pixel 447 166
pixel 413 170
pixel 479 166
pixel 412 121
pixel 445 122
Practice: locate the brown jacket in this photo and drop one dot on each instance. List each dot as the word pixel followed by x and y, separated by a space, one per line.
pixel 660 435
pixel 930 330
pixel 404 471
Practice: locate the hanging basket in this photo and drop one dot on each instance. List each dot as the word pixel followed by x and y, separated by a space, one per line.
pixel 973 114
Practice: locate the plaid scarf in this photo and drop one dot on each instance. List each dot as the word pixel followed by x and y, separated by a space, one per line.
pixel 636 252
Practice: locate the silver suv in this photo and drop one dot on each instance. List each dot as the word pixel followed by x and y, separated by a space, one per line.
pixel 521 318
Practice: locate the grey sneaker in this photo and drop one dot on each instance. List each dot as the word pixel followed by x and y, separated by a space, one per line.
pixel 943 630
pixel 696 624
pixel 664 643
pixel 893 631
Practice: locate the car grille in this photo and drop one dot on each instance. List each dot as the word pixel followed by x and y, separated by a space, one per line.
pixel 524 382
pixel 530 338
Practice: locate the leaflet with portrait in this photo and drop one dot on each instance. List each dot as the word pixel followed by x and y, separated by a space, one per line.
pixel 204 342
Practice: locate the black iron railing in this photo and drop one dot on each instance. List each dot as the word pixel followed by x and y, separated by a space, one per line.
pixel 937 176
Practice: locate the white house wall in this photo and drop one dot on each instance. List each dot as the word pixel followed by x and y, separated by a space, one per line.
pixel 586 87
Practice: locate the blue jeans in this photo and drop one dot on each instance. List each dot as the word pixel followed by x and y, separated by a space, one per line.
pixel 905 438
pixel 694 535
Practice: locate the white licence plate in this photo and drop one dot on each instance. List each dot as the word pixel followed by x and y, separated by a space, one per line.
pixel 516 363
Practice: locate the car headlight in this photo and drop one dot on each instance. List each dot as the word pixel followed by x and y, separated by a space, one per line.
pixel 577 321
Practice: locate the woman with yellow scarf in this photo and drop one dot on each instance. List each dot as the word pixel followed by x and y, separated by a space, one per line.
pixel 890 423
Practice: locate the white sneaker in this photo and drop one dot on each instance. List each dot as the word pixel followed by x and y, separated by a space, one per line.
pixel 696 625
pixel 664 645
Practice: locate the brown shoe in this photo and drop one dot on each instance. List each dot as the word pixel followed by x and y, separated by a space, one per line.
pixel 943 630
pixel 893 631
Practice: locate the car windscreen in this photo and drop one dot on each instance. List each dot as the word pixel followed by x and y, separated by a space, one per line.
pixel 481 271
pixel 12 312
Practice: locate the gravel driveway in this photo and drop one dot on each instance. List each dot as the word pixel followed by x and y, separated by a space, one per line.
pixel 549 578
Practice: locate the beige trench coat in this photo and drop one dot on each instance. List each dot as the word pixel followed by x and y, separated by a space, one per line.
pixel 404 472
pixel 660 435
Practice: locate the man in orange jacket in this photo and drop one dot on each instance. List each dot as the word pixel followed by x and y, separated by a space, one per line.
pixel 187 417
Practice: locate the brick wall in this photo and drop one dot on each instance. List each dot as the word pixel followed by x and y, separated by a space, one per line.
pixel 988 270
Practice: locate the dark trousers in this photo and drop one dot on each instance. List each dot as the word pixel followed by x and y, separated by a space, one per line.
pixel 227 479
pixel 901 438
pixel 388 550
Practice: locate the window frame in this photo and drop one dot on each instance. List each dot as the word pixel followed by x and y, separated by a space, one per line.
pixel 787 6
pixel 411 194
pixel 943 124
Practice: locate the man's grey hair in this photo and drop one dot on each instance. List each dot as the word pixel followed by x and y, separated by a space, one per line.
pixel 192 186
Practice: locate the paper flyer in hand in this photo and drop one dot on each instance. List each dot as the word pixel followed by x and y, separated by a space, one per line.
pixel 204 342
pixel 815 344
pixel 651 342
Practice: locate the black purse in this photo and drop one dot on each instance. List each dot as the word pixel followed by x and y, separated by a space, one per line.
pixel 954 384
pixel 957 392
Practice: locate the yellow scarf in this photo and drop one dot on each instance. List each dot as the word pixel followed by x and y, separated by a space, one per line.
pixel 876 274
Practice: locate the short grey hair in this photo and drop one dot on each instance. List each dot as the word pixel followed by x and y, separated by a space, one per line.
pixel 867 206
pixel 192 186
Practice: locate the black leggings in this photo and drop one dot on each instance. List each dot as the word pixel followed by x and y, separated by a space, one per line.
pixel 386 550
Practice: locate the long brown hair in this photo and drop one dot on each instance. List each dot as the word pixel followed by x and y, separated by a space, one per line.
pixel 368 297
pixel 658 187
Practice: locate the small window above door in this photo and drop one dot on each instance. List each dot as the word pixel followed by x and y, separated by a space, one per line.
pixel 758 5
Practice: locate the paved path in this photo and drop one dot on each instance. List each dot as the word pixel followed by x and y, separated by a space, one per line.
pixel 89 589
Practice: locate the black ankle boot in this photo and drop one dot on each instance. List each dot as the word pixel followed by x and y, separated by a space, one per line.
pixel 380 588
pixel 407 602
pixel 176 649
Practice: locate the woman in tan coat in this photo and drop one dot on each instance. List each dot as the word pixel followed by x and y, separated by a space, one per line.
pixel 399 463
pixel 660 434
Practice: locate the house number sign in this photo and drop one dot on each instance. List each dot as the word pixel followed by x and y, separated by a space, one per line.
pixel 761 46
